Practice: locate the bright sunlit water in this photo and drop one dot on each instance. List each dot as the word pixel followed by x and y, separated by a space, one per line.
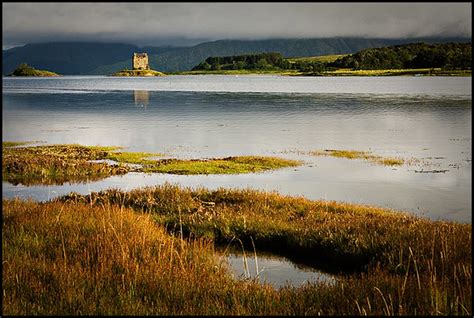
pixel 211 116
pixel 427 118
pixel 274 270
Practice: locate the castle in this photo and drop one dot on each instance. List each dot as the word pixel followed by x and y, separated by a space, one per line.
pixel 140 61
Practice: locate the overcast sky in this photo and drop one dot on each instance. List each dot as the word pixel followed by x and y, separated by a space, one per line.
pixel 191 23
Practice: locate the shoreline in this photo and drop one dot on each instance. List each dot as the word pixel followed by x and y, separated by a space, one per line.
pixel 362 73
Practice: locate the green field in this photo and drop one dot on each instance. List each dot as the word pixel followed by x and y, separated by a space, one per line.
pixel 394 72
pixel 320 58
pixel 238 72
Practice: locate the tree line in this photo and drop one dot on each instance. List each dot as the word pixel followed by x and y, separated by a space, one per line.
pixel 449 56
pixel 240 62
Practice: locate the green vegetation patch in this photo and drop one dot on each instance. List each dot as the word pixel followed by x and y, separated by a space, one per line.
pixel 229 165
pixel 25 70
pixel 319 58
pixel 416 265
pixel 393 72
pixel 239 72
pixel 57 164
pixel 446 59
pixel 354 154
pixel 449 56
pixel 132 157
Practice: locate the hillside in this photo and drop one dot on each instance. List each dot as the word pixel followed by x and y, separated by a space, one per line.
pixel 407 59
pixel 186 58
pixel 106 58
pixel 71 57
pixel 244 62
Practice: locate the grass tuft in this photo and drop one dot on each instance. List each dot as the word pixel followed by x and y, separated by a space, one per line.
pixel 57 164
pixel 354 154
pixel 111 253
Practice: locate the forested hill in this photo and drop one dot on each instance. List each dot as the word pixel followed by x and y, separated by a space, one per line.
pixel 241 62
pixel 448 56
pixel 417 55
pixel 107 58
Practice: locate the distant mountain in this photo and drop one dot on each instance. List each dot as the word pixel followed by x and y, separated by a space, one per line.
pixel 69 58
pixel 66 58
pixel 106 58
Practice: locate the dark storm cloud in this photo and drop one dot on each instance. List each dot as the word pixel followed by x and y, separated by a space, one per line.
pixel 148 23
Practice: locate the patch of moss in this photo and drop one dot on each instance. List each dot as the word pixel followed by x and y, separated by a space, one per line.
pixel 57 164
pixel 229 165
pixel 354 154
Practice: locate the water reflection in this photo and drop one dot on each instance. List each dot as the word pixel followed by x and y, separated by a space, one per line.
pixel 142 98
pixel 275 270
pixel 190 124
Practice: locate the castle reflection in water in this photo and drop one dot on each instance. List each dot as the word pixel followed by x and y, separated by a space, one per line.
pixel 142 98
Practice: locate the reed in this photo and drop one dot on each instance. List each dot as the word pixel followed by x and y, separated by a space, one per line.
pixel 105 254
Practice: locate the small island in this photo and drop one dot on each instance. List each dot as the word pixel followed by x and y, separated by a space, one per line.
pixel 140 67
pixel 25 70
pixel 138 73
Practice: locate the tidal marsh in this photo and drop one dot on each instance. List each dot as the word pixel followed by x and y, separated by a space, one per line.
pixel 354 154
pixel 151 251
pixel 227 165
pixel 57 164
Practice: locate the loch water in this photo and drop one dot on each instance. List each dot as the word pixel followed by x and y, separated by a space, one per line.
pixel 427 118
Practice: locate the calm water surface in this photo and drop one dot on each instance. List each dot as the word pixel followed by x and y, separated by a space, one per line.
pixel 427 118
pixel 275 270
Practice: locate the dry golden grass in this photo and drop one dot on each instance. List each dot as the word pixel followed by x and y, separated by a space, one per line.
pixel 103 254
pixel 74 259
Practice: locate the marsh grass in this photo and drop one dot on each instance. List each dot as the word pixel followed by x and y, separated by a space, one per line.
pixel 57 164
pixel 150 251
pixel 132 157
pixel 365 155
pixel 228 165
pixel 363 236
pixel 74 259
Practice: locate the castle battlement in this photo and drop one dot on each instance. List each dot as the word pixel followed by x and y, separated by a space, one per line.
pixel 140 61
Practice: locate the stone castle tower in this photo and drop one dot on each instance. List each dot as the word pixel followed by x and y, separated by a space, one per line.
pixel 140 61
